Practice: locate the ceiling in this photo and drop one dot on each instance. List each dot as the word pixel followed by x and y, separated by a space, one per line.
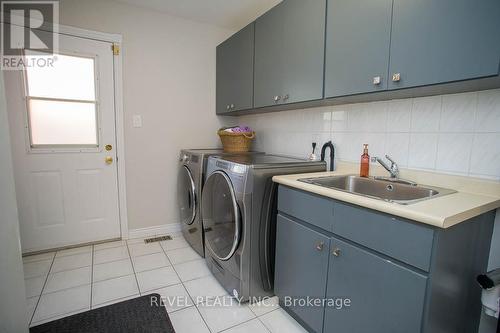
pixel 230 14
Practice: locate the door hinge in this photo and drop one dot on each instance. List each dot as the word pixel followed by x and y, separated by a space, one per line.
pixel 116 49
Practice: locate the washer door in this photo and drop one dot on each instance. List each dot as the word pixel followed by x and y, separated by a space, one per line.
pixel 221 218
pixel 186 195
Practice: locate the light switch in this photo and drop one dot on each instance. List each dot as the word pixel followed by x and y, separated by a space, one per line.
pixel 137 120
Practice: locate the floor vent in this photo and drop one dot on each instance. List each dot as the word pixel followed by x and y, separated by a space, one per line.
pixel 157 239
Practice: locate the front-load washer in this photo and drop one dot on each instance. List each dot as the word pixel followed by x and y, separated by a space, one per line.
pixel 239 219
pixel 193 163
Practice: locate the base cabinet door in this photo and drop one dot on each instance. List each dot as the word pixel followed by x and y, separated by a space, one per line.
pixel 443 41
pixel 301 270
pixel 384 296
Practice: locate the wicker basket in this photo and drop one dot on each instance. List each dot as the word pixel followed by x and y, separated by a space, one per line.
pixel 236 142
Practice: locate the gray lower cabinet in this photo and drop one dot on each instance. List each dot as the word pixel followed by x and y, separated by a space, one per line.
pixel 289 53
pixel 384 296
pixel 301 269
pixel 442 41
pixel 357 46
pixel 234 88
pixel 374 272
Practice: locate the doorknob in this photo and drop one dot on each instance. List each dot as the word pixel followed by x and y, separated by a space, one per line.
pixel 108 159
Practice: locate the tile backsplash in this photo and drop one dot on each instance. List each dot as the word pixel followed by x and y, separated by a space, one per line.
pixel 457 134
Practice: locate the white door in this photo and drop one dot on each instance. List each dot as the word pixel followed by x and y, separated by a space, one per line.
pixel 62 125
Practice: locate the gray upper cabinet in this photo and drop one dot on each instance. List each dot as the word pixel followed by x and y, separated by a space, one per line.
pixel 235 72
pixel 442 41
pixel 384 296
pixel 301 269
pixel 289 53
pixel 305 53
pixel 357 46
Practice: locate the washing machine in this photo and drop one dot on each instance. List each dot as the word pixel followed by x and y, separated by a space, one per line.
pixel 239 209
pixel 190 180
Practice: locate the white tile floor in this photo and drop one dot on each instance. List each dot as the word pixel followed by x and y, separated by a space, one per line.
pixel 63 283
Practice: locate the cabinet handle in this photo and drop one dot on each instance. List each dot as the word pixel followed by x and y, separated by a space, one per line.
pixel 336 252
pixel 285 97
pixel 377 80
pixel 396 77
pixel 320 246
pixel 277 98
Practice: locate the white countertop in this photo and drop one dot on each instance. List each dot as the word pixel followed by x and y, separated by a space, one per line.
pixel 442 212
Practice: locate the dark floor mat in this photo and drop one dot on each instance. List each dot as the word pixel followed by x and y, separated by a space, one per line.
pixel 140 314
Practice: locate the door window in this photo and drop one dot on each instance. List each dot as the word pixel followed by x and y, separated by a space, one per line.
pixel 186 195
pixel 62 102
pixel 220 216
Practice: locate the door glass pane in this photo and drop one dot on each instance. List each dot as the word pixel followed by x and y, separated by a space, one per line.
pixel 62 123
pixel 185 195
pixel 70 78
pixel 219 216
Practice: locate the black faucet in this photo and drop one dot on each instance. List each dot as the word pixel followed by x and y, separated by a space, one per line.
pixel 329 144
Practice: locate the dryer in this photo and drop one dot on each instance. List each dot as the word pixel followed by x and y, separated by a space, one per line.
pixel 193 163
pixel 189 185
pixel 239 219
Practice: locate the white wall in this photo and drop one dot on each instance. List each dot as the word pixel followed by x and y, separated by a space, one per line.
pixel 169 79
pixel 13 311
pixel 456 134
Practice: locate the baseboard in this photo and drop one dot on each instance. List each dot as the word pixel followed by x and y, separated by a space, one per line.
pixel 163 229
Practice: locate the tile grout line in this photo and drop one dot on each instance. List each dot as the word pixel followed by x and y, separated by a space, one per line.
pixel 59 316
pixel 133 268
pixel 164 251
pixel 91 278
pixel 92 251
pixel 177 274
pixel 471 150
pixel 65 270
pixel 182 283
pixel 242 323
pixel 64 289
pixel 43 287
pixel 263 323
pixel 117 300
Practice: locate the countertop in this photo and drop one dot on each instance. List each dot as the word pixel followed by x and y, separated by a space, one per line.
pixel 473 197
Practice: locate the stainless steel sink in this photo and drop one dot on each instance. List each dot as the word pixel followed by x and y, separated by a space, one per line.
pixel 397 191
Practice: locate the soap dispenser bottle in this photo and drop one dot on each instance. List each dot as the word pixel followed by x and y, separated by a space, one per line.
pixel 365 162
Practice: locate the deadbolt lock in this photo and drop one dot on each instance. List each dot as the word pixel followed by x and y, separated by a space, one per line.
pixel 108 147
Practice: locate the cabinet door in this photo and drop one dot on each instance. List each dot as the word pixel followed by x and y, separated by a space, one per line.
pixel 384 296
pixel 289 53
pixel 235 71
pixel 443 41
pixel 357 46
pixel 301 269
pixel 268 73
